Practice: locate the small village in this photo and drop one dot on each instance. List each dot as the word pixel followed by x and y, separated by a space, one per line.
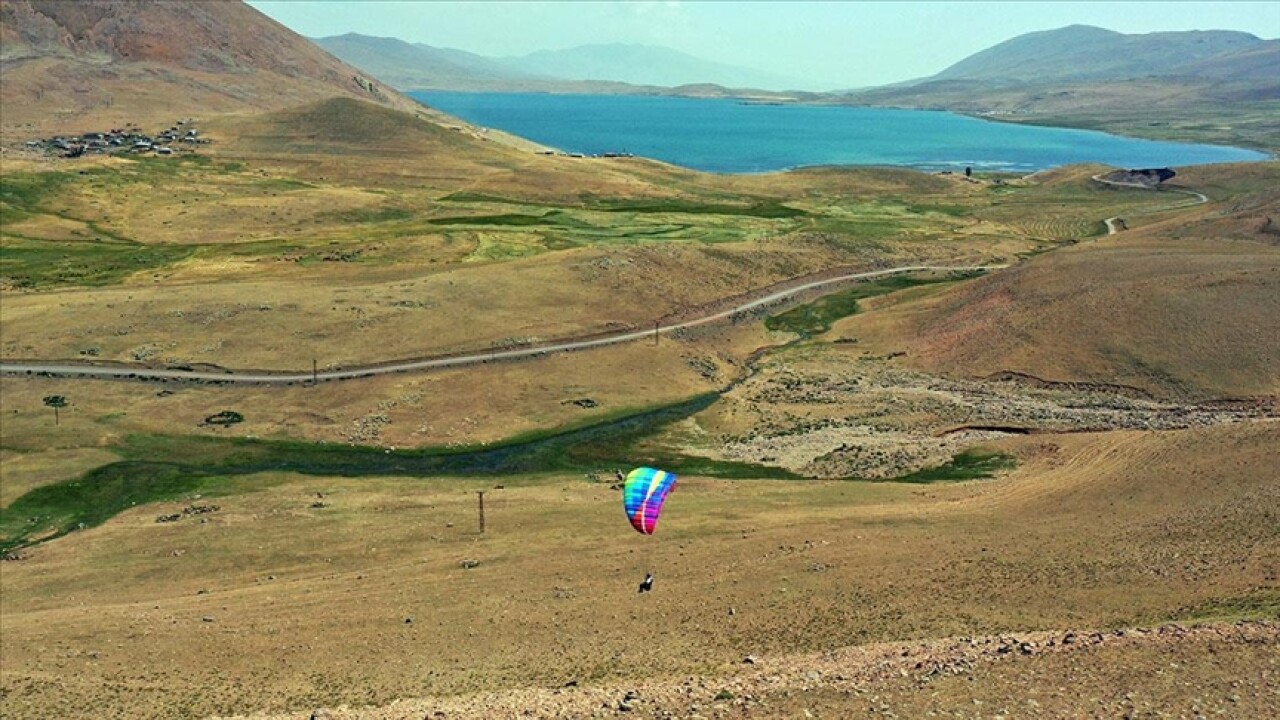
pixel 182 136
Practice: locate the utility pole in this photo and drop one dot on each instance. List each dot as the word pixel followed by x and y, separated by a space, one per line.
pixel 655 331
pixel 480 493
pixel 315 380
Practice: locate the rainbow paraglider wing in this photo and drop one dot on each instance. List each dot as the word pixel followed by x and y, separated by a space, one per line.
pixel 643 495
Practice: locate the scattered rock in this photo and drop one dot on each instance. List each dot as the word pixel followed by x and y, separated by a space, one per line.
pixel 224 418
pixel 750 660
pixel 469 564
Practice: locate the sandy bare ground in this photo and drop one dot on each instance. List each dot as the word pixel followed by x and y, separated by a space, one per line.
pixel 958 677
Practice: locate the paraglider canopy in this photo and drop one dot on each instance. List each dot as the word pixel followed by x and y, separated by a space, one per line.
pixel 643 495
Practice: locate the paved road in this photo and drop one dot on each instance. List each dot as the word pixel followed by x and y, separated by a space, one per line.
pixel 139 372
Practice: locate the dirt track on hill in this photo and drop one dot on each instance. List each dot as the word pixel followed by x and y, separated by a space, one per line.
pixel 1117 224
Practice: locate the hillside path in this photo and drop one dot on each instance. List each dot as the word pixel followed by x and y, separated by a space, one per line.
pixel 1116 224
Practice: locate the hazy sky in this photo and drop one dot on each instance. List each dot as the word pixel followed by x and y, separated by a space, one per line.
pixel 828 44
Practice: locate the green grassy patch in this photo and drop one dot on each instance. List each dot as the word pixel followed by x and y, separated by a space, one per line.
pixel 948 210
pixel 767 210
pixel 34 263
pixel 28 191
pixel 1260 604
pixel 968 465
pixel 480 198
pixel 156 468
pixel 510 219
pixel 285 184
pixel 375 215
pixel 92 499
pixel 817 317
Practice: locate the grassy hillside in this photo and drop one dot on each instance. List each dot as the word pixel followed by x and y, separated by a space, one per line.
pixel 770 569
pixel 852 475
pixel 1175 309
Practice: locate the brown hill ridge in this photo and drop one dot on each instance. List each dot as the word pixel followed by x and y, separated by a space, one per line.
pixel 104 61
pixel 1186 308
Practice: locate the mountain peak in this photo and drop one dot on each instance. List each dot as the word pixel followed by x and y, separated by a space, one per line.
pixel 1085 52
pixel 68 60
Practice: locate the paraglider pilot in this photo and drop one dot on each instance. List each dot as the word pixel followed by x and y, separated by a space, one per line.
pixel 647 584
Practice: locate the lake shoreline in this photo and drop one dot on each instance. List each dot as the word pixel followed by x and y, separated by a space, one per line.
pixel 727 136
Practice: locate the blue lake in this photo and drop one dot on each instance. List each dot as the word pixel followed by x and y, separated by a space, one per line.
pixel 727 136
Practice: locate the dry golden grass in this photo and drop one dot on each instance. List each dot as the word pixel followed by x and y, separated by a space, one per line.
pixel 280 314
pixel 1179 317
pixel 22 470
pixel 471 405
pixel 308 233
pixel 307 606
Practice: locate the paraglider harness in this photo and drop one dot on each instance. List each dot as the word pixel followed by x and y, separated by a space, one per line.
pixel 647 584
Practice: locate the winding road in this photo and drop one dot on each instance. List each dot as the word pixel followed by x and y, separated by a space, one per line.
pixel 123 371
pixel 1116 224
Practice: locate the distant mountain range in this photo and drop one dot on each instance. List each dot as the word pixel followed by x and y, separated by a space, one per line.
pixel 643 65
pixel 1234 63
pixel 1067 56
pixel 1215 86
pixel 128 60
pixel 606 69
pixel 1084 53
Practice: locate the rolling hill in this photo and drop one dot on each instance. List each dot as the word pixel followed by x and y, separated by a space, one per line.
pixel 642 65
pixel 1082 52
pixel 414 66
pixel 1214 86
pixel 120 61
pixel 1185 308
pixel 417 66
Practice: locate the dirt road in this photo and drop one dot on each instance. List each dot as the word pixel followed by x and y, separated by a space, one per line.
pixel 1116 224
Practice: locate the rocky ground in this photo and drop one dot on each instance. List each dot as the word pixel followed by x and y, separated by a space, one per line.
pixel 869 419
pixel 1211 670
